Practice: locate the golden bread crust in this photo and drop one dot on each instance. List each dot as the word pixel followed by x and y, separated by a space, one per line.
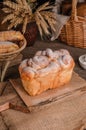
pixel 46 70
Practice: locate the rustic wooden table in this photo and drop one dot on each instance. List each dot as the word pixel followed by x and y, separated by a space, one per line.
pixel 69 114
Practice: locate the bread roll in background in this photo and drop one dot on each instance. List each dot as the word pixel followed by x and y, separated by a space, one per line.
pixel 46 70
pixel 7 47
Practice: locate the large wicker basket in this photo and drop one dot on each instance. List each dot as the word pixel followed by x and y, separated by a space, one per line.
pixel 74 32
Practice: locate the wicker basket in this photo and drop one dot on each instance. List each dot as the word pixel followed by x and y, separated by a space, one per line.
pixel 74 32
pixel 21 43
pixel 7 58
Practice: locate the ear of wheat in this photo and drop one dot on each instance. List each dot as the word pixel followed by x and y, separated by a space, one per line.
pixel 21 12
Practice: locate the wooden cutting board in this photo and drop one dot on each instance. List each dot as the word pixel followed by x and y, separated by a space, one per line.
pixel 77 85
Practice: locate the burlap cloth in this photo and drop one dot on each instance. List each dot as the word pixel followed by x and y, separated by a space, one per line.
pixel 67 115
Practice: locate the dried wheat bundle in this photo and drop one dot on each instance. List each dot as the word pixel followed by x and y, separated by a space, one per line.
pixel 18 12
pixel 21 12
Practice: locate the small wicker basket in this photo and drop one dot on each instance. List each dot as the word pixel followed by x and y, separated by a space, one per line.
pixel 14 36
pixel 8 57
pixel 74 32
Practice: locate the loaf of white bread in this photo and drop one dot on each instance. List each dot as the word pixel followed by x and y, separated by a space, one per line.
pixel 46 70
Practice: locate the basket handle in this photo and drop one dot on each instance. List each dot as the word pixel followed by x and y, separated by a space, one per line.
pixel 74 10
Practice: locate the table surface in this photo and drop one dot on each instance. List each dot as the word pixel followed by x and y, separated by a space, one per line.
pixel 69 114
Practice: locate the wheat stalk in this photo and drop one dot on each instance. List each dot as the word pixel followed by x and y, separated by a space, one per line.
pixel 25 24
pixel 19 2
pixel 50 14
pixel 43 23
pixel 50 18
pixel 38 24
pixel 8 17
pixel 12 5
pixel 7 10
pixel 15 22
pixel 45 19
pixel 12 24
pixel 42 7
pixel 47 8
